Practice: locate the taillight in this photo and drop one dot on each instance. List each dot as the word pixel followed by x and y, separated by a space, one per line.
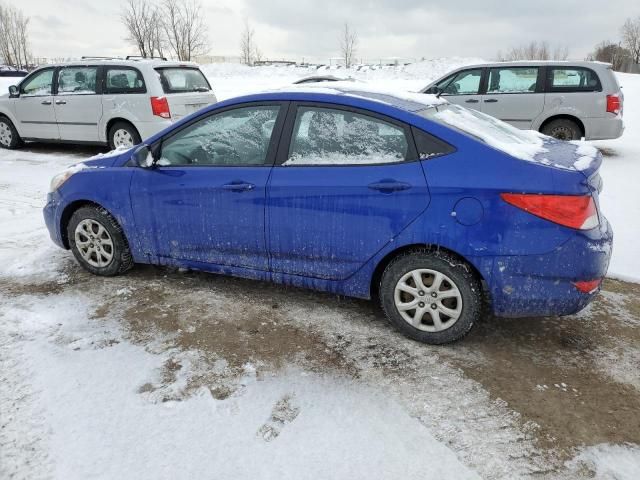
pixel 588 286
pixel 160 107
pixel 614 105
pixel 574 211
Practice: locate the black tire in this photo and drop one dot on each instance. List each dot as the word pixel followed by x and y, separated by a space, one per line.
pixel 15 141
pixel 126 126
pixel 121 259
pixel 563 129
pixel 458 272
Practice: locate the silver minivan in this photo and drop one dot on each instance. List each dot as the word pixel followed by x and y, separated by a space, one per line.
pixel 566 100
pixel 101 101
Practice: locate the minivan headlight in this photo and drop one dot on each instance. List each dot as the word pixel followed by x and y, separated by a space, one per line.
pixel 59 179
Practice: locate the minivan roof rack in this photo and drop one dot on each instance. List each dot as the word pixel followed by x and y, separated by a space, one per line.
pixel 133 57
pixel 92 57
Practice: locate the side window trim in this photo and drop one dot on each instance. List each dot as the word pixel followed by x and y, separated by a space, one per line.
pixel 106 90
pixel 99 80
pixel 54 82
pixel 287 133
pixel 273 144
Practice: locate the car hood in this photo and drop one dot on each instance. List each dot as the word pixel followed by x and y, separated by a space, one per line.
pixel 110 159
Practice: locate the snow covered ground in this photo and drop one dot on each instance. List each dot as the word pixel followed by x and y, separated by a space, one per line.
pixel 150 375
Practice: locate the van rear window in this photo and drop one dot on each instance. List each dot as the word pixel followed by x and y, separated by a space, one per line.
pixel 183 79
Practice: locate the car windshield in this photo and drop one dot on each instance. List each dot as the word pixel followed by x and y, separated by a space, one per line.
pixel 183 79
pixel 496 133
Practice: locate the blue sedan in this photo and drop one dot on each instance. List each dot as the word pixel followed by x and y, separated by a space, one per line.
pixel 431 208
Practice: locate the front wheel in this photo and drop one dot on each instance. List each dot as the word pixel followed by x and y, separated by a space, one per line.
pixel 9 137
pixel 98 242
pixel 430 297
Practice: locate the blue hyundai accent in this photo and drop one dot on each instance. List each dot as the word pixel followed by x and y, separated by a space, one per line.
pixel 432 208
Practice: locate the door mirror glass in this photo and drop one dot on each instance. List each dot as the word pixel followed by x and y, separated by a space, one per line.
pixel 13 91
pixel 143 157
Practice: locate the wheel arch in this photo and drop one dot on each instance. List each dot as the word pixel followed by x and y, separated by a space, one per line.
pixel 68 212
pixel 115 120
pixel 564 116
pixel 418 247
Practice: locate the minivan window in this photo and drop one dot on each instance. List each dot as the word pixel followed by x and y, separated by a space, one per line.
pixel 324 136
pixel 40 84
pixel 513 80
pixel 573 80
pixel 77 80
pixel 124 80
pixel 466 82
pixel 182 79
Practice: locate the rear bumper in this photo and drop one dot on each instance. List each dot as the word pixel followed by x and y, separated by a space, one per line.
pixel 542 285
pixel 603 128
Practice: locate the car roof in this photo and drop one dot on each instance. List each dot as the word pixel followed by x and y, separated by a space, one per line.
pixel 345 93
pixel 154 63
pixel 538 63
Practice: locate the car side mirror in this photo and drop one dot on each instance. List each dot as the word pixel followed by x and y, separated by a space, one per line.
pixel 14 92
pixel 143 157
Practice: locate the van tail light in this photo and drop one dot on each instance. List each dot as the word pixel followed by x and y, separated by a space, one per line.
pixel 573 211
pixel 160 107
pixel 614 104
pixel 588 286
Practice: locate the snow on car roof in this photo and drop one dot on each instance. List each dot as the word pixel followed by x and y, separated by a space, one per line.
pixel 408 101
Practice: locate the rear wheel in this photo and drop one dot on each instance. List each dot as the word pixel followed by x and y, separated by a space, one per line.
pixel 563 129
pixel 97 242
pixel 123 135
pixel 9 137
pixel 430 297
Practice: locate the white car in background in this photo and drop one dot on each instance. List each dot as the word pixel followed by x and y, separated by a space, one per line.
pixel 564 99
pixel 101 101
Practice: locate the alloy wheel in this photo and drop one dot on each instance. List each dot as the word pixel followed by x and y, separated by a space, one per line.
pixel 6 135
pixel 94 243
pixel 428 300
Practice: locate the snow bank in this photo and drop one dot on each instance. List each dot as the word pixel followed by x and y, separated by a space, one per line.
pixel 610 462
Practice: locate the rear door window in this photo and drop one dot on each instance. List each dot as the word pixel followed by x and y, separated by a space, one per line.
pixel 77 81
pixel 124 80
pixel 512 80
pixel 326 136
pixel 182 79
pixel 573 80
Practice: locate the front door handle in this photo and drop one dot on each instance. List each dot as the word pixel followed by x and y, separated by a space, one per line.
pixel 471 100
pixel 389 186
pixel 60 102
pixel 238 186
pixel 46 102
pixel 491 100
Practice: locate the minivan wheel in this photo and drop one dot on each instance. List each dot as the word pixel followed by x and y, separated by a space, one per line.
pixel 123 135
pixel 9 137
pixel 430 297
pixel 97 242
pixel 563 129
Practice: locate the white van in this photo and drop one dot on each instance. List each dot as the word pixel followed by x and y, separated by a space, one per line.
pixel 101 101
pixel 566 100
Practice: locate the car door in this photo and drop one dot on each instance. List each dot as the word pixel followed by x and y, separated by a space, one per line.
pixel 78 103
pixel 34 107
pixel 514 95
pixel 345 184
pixel 462 88
pixel 204 200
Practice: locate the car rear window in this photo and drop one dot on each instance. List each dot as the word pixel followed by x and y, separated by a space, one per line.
pixel 496 133
pixel 183 79
pixel 573 79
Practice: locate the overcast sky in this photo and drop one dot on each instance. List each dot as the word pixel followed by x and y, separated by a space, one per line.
pixel 294 29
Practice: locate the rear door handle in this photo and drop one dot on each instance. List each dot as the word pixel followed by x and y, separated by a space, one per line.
pixel 491 100
pixel 389 186
pixel 60 102
pixel 238 186
pixel 46 102
pixel 472 101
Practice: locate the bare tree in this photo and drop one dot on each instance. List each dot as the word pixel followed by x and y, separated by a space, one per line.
pixel 535 51
pixel 184 27
pixel 631 37
pixel 143 21
pixel 613 53
pixel 14 36
pixel 348 45
pixel 249 51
